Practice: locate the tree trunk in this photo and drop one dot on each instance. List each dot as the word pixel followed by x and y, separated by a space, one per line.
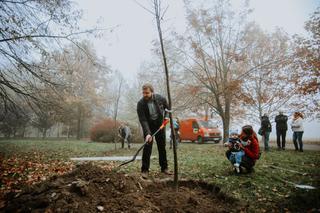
pixel 206 108
pixel 115 134
pixel 68 132
pixel 226 121
pixel 23 132
pixel 58 130
pixel 44 133
pixel 116 107
pixel 14 132
pixel 157 13
pixel 79 122
pixel 225 130
pixel 260 97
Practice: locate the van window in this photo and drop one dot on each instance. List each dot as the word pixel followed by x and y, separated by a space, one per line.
pixel 195 125
pixel 207 124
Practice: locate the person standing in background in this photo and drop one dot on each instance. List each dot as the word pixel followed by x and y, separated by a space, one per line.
pixel 297 128
pixel 281 128
pixel 266 130
pixel 125 134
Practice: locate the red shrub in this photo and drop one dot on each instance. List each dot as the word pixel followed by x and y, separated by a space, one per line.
pixel 104 131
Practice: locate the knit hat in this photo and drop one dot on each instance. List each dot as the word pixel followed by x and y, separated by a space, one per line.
pixel 233 132
pixel 248 130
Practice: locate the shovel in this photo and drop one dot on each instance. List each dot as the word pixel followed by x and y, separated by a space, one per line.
pixel 164 123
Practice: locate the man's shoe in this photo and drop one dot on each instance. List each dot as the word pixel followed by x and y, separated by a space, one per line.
pixel 166 171
pixel 145 175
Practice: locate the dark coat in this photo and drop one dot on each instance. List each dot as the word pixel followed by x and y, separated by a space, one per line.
pixel 281 122
pixel 265 124
pixel 144 115
pixel 125 132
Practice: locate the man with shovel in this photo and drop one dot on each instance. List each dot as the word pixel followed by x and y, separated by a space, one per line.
pixel 151 113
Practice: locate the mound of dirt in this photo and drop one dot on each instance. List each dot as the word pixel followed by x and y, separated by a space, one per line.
pixel 91 189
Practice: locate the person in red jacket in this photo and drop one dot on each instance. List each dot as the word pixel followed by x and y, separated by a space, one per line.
pixel 251 150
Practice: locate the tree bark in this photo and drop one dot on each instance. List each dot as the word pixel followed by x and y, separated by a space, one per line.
pixel 79 122
pixel 226 126
pixel 44 133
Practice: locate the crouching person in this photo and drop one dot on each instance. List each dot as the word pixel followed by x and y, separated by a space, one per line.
pixel 249 145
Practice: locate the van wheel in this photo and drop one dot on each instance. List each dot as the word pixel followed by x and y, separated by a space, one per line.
pixel 200 140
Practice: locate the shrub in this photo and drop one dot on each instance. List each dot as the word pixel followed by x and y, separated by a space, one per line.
pixel 104 131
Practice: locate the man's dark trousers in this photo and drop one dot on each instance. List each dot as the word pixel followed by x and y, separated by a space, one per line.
pixel 161 144
pixel 281 134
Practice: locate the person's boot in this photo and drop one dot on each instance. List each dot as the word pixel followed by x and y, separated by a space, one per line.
pixel 145 174
pixel 166 171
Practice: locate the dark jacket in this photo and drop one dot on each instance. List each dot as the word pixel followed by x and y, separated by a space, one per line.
pixel 234 144
pixel 144 115
pixel 265 124
pixel 125 132
pixel 281 122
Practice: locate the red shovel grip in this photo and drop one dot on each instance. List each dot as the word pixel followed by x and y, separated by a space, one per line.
pixel 164 123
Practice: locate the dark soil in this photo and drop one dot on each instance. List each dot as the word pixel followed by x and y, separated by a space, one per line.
pixel 91 189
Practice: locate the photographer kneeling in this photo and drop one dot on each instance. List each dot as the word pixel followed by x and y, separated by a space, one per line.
pixel 249 145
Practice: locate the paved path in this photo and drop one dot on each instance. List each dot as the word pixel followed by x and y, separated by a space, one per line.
pixel 289 145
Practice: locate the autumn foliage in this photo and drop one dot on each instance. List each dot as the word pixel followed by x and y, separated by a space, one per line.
pixel 18 171
pixel 104 131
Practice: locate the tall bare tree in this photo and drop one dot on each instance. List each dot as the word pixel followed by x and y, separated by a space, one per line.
pixel 216 60
pixel 29 31
pixel 117 94
pixel 26 34
pixel 159 13
pixel 83 78
pixel 268 86
pixel 307 66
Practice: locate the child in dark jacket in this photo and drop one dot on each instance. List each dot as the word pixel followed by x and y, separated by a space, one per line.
pixel 249 145
pixel 236 152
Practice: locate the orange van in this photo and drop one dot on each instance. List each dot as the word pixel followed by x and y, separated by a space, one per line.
pixel 199 130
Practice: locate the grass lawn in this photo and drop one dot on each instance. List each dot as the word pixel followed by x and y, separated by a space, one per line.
pixel 269 187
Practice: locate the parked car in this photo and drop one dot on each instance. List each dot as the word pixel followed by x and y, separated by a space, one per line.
pixel 199 130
